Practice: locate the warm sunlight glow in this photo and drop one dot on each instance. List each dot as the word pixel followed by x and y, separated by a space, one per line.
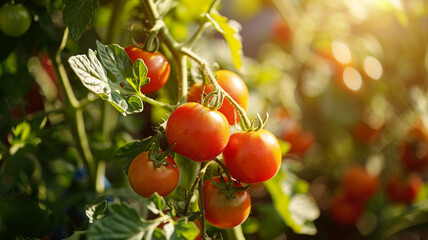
pixel 352 78
pixel 341 52
pixel 373 67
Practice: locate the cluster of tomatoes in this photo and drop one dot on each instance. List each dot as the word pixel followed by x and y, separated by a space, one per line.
pixel 400 187
pixel 201 132
pixel 357 187
pixel 15 19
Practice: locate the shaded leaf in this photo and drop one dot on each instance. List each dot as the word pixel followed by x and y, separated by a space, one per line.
pixel 78 14
pixel 95 211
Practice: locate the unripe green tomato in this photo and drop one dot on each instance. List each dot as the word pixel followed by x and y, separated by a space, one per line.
pixel 15 19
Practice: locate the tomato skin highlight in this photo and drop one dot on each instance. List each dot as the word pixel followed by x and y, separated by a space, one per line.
pixel 221 211
pixel 198 132
pixel 146 179
pixel 253 157
pixel 233 85
pixel 157 64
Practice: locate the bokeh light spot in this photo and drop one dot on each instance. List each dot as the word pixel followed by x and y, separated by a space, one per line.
pixel 373 67
pixel 352 78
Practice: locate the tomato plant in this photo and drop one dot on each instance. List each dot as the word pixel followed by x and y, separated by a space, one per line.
pixel 197 132
pixel 78 109
pixel 16 14
pixel 223 210
pixel 146 178
pixel 232 84
pixel 157 64
pixel 253 156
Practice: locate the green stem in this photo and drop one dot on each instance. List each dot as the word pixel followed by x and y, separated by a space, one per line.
pixel 234 233
pixel 182 80
pixel 211 77
pixel 73 114
pixel 155 102
pixel 198 179
pixel 201 203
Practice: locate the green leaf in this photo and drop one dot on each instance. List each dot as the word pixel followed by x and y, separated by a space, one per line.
pixel 76 235
pixel 298 211
pixel 116 60
pixel 22 136
pixel 184 230
pixel 157 204
pixel 96 211
pixel 130 150
pixel 94 77
pixel 123 222
pixel 78 14
pixel 230 31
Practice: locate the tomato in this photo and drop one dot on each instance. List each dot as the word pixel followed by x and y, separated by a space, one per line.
pixel 198 132
pixel 345 210
pixel 299 140
pixel 233 85
pixel 414 155
pixel 365 133
pixel 280 30
pixel 222 211
pixel 157 65
pixel 403 189
pixel 15 20
pixel 413 151
pixel 253 157
pixel 145 178
pixel 359 184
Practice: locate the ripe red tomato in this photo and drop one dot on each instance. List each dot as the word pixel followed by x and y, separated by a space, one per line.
pixel 15 19
pixel 345 210
pixel 253 157
pixel 233 85
pixel 299 140
pixel 157 65
pixel 222 211
pixel 145 178
pixel 359 184
pixel 198 132
pixel 365 133
pixel 414 155
pixel 403 189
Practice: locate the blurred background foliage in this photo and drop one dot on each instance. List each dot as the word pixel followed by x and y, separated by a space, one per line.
pixel 344 83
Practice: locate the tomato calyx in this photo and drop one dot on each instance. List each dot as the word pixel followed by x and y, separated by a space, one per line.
pixel 213 100
pixel 256 124
pixel 151 43
pixel 227 185
pixel 156 154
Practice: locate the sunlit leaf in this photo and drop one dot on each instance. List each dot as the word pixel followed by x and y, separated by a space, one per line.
pixel 298 211
pixel 121 93
pixel 96 210
pixel 230 31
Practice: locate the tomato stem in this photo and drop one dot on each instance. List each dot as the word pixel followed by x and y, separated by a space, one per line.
pixel 197 181
pixel 155 102
pixel 201 203
pixel 74 114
